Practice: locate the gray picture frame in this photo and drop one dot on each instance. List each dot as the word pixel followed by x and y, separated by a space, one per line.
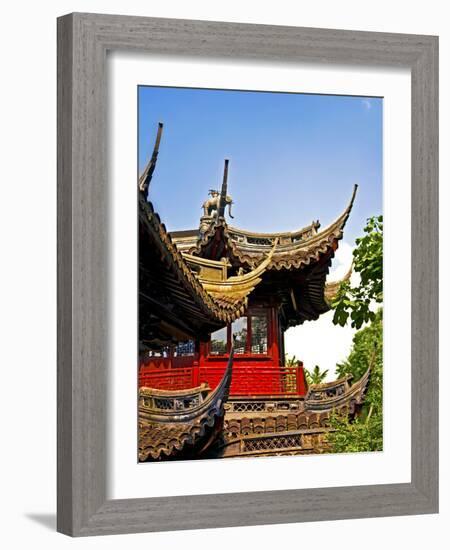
pixel 83 42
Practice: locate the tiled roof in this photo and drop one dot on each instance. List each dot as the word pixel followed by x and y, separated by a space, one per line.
pixel 294 250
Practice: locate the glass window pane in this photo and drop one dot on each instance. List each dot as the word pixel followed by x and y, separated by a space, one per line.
pixel 239 333
pixel 219 342
pixel 184 349
pixel 259 333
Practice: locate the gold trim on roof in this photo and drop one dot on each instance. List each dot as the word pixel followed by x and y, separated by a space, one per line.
pixel 240 286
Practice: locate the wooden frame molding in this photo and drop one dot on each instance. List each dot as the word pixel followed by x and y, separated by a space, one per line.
pixel 83 42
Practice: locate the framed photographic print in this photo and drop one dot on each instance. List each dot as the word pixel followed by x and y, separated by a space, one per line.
pixel 247 280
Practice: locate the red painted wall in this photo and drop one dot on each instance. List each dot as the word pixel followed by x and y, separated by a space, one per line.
pixel 253 374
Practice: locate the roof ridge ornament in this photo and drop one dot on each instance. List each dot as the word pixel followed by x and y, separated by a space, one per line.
pixel 224 198
pixel 147 174
pixel 214 207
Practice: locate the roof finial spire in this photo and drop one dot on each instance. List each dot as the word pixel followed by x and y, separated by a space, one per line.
pixel 146 176
pixel 224 198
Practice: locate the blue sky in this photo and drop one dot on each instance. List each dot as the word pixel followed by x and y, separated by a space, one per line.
pixel 293 157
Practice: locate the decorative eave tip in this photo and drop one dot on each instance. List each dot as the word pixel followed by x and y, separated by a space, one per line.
pixel 355 189
pixel 147 174
pixel 342 220
pixel 352 200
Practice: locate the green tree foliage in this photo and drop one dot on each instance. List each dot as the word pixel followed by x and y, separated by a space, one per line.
pixel 316 376
pixel 365 433
pixel 355 302
pixel 290 361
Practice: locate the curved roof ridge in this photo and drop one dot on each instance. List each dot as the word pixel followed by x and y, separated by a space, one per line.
pixel 342 219
pixel 297 253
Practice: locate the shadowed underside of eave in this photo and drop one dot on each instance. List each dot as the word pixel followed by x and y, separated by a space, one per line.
pixel 171 298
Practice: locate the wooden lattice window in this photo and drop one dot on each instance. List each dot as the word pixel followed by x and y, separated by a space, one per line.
pixel 259 333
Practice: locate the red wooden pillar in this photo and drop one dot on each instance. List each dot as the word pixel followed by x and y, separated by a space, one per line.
pixel 273 334
pixel 248 342
pixel 202 360
pixel 196 365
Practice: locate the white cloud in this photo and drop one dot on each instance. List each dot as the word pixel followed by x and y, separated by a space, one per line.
pixel 341 262
pixel 367 104
pixel 320 343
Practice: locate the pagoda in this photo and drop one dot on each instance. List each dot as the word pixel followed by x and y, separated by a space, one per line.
pixel 214 305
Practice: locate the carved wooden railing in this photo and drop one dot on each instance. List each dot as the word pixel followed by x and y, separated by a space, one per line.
pixel 247 379
pixel 246 238
pixel 171 378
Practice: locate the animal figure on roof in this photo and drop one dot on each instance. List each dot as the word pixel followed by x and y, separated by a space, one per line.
pixel 211 206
